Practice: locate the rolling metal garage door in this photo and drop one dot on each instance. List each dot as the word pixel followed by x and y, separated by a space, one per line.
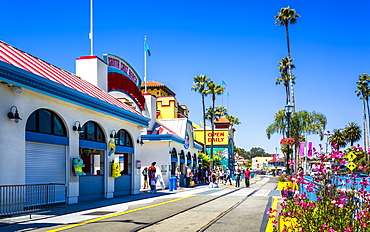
pixel 45 164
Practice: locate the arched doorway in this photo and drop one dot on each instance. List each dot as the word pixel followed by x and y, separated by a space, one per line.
pixel 123 156
pixel 188 160
pixel 182 168
pixel 174 161
pixel 45 155
pixel 92 151
pixel 195 161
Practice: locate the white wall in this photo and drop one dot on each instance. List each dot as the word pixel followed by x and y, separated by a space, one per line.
pixel 12 137
pixel 93 70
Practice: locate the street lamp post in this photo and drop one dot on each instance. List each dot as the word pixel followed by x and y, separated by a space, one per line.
pixel 288 112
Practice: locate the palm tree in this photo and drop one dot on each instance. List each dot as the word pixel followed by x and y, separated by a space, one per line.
pixel 284 76
pixel 364 92
pixel 301 123
pixel 285 17
pixel 338 139
pixel 278 126
pixel 213 89
pixel 219 111
pixel 200 84
pixel 233 120
pixel 352 132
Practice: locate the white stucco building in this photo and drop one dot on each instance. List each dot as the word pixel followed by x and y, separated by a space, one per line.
pixel 66 116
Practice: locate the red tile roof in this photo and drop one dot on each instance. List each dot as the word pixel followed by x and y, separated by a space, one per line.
pixel 155 84
pixel 222 120
pixel 18 58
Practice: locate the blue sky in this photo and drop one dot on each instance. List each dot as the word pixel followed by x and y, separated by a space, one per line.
pixel 235 41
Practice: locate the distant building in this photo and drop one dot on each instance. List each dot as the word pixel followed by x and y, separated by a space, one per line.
pixel 169 139
pixel 223 141
pixel 278 164
pixel 240 160
pixel 260 163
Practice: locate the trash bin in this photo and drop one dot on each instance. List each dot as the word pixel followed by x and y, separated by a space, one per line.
pixel 172 184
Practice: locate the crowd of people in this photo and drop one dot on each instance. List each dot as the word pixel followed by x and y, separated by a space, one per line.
pixel 204 176
pixel 213 177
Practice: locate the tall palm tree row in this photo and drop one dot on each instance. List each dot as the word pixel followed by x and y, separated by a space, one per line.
pixel 285 17
pixel 200 86
pixel 213 89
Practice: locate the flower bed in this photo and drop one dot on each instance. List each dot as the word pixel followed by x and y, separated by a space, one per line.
pixel 334 208
pixel 288 141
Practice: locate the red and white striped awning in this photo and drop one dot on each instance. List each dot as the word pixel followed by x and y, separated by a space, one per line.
pixel 18 58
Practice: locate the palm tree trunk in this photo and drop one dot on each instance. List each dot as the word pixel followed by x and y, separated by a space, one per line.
pixel 213 127
pixel 204 127
pixel 291 93
pixel 367 134
pixel 364 120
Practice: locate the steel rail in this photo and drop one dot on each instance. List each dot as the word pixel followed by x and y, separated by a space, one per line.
pixel 195 206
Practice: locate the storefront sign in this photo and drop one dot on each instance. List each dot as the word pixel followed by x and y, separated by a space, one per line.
pixel 138 164
pixel 118 64
pixel 186 143
pixel 219 138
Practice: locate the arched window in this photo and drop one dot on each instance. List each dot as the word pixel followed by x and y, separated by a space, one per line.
pixel 194 157
pixel 173 153
pixel 46 122
pixel 93 132
pixel 182 155
pixel 123 138
pixel 188 158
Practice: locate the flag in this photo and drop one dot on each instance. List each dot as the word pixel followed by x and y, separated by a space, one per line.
pixel 301 149
pixel 309 154
pixel 223 82
pixel 146 48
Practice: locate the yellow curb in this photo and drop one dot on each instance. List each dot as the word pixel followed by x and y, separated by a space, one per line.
pixel 269 226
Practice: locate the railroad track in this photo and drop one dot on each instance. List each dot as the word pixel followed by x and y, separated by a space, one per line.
pixel 205 227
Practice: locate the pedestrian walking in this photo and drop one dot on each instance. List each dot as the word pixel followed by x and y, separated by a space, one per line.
pixel 145 174
pixel 237 176
pixel 152 175
pixel 228 176
pixel 247 176
pixel 178 174
pixel 187 176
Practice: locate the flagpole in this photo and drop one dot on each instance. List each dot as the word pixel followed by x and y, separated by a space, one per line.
pixel 222 98
pixel 91 29
pixel 227 101
pixel 145 66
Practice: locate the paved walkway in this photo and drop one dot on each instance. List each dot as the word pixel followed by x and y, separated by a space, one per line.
pixel 88 210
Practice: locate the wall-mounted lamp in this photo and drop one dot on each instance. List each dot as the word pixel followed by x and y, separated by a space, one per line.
pixel 140 141
pixel 14 116
pixel 77 128
pixel 17 89
pixel 113 134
